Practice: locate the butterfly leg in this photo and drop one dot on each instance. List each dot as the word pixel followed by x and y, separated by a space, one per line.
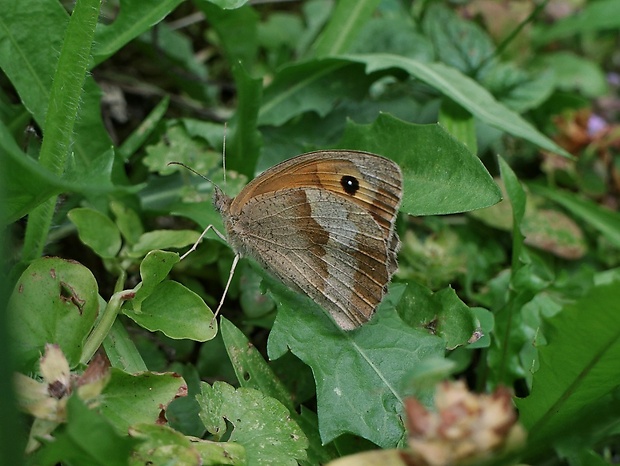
pixel 230 277
pixel 202 235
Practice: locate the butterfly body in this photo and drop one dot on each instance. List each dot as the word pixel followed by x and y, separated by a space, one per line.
pixel 323 223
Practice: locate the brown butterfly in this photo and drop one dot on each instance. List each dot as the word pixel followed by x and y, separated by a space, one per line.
pixel 323 223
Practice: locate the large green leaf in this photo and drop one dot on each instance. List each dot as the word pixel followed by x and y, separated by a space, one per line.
pixel 317 85
pixel 362 375
pixel 440 175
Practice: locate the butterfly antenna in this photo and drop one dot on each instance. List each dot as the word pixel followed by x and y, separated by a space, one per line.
pixel 191 170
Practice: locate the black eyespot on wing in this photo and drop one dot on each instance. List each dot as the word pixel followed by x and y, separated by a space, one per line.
pixel 350 184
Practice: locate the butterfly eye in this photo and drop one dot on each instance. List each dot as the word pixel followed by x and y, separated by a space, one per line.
pixel 350 184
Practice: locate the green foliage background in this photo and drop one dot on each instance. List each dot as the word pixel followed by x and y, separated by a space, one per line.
pixel 504 120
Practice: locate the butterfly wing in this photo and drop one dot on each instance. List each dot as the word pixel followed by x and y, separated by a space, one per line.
pixel 321 243
pixel 372 182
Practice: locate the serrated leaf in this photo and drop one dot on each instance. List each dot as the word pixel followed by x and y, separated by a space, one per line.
pixel 260 423
pixel 179 146
pixel 254 372
pixel 377 358
pixel 251 369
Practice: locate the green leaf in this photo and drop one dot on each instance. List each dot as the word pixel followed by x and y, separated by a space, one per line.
pixel 176 311
pixel 128 221
pixel 31 36
pixel 516 195
pixel 163 239
pixel 179 145
pixel 64 101
pixel 517 89
pixel 440 175
pixel 595 16
pixel 394 33
pixel 229 4
pixel 130 399
pixel 132 20
pixel 377 358
pixel 458 43
pixel 154 268
pixel 121 351
pixel 87 438
pixel 315 85
pixel 260 423
pixel 253 372
pixel 464 91
pixel 236 29
pixel 345 22
pixel 575 73
pixel 135 140
pixel 24 58
pixel 251 369
pixel 96 231
pixel 163 445
pixel 245 141
pixel 441 313
pixel 67 85
pixel 459 123
pixel 25 183
pixel 604 220
pixel 54 301
pixel 578 367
